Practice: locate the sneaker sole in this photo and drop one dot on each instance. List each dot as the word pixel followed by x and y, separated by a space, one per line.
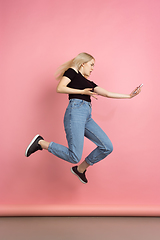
pixel 78 176
pixel 31 144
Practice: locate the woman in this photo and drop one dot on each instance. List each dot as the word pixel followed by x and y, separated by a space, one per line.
pixel 78 122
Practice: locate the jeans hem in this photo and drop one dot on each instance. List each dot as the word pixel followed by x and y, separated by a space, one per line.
pixel 49 147
pixel 87 161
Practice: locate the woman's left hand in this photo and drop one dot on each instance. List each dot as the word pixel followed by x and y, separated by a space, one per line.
pixel 135 92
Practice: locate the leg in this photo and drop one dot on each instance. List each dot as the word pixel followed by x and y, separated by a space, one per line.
pixel 98 136
pixel 73 152
pixel 74 123
pixel 44 144
pixel 83 166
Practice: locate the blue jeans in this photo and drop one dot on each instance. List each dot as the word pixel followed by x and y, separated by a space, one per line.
pixel 79 123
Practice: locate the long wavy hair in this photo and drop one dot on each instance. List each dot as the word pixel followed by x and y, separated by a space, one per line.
pixel 75 62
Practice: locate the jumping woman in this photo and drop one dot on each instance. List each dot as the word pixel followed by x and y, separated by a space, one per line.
pixel 78 121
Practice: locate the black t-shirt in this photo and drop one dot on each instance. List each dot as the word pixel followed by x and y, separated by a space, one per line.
pixel 78 81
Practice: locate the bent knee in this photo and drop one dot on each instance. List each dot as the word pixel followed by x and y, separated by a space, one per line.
pixel 111 148
pixel 74 158
pixel 108 149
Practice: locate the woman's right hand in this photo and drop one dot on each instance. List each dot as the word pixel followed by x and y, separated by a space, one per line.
pixel 89 91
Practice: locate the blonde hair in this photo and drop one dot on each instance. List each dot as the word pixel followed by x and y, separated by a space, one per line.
pixel 75 62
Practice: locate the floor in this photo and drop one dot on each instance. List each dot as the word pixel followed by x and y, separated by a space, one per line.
pixel 79 228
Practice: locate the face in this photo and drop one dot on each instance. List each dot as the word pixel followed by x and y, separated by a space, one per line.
pixel 88 67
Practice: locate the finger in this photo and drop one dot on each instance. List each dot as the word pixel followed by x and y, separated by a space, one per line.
pixel 95 97
pixel 135 91
pixel 138 90
pixel 93 94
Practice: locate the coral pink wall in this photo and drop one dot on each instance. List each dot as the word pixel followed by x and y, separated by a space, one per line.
pixel 38 36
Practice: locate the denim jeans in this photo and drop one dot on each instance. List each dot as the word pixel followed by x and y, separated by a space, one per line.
pixel 79 123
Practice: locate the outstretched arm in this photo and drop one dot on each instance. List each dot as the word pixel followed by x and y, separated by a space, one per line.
pixel 105 93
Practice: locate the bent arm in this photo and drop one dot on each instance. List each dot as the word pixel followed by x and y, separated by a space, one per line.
pixel 62 88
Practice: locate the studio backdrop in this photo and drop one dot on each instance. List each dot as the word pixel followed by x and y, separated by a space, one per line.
pixel 37 36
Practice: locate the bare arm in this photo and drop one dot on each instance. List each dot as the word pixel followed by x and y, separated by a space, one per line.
pixel 62 88
pixel 105 93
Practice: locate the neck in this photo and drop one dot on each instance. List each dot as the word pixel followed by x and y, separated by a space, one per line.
pixel 81 71
pixel 84 75
pixel 75 69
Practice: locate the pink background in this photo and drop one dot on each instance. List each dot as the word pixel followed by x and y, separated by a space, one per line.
pixel 36 37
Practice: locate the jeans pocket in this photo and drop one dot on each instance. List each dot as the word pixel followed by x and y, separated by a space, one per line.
pixel 77 104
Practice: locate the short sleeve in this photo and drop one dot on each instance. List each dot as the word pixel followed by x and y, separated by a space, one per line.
pixel 70 73
pixel 94 85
